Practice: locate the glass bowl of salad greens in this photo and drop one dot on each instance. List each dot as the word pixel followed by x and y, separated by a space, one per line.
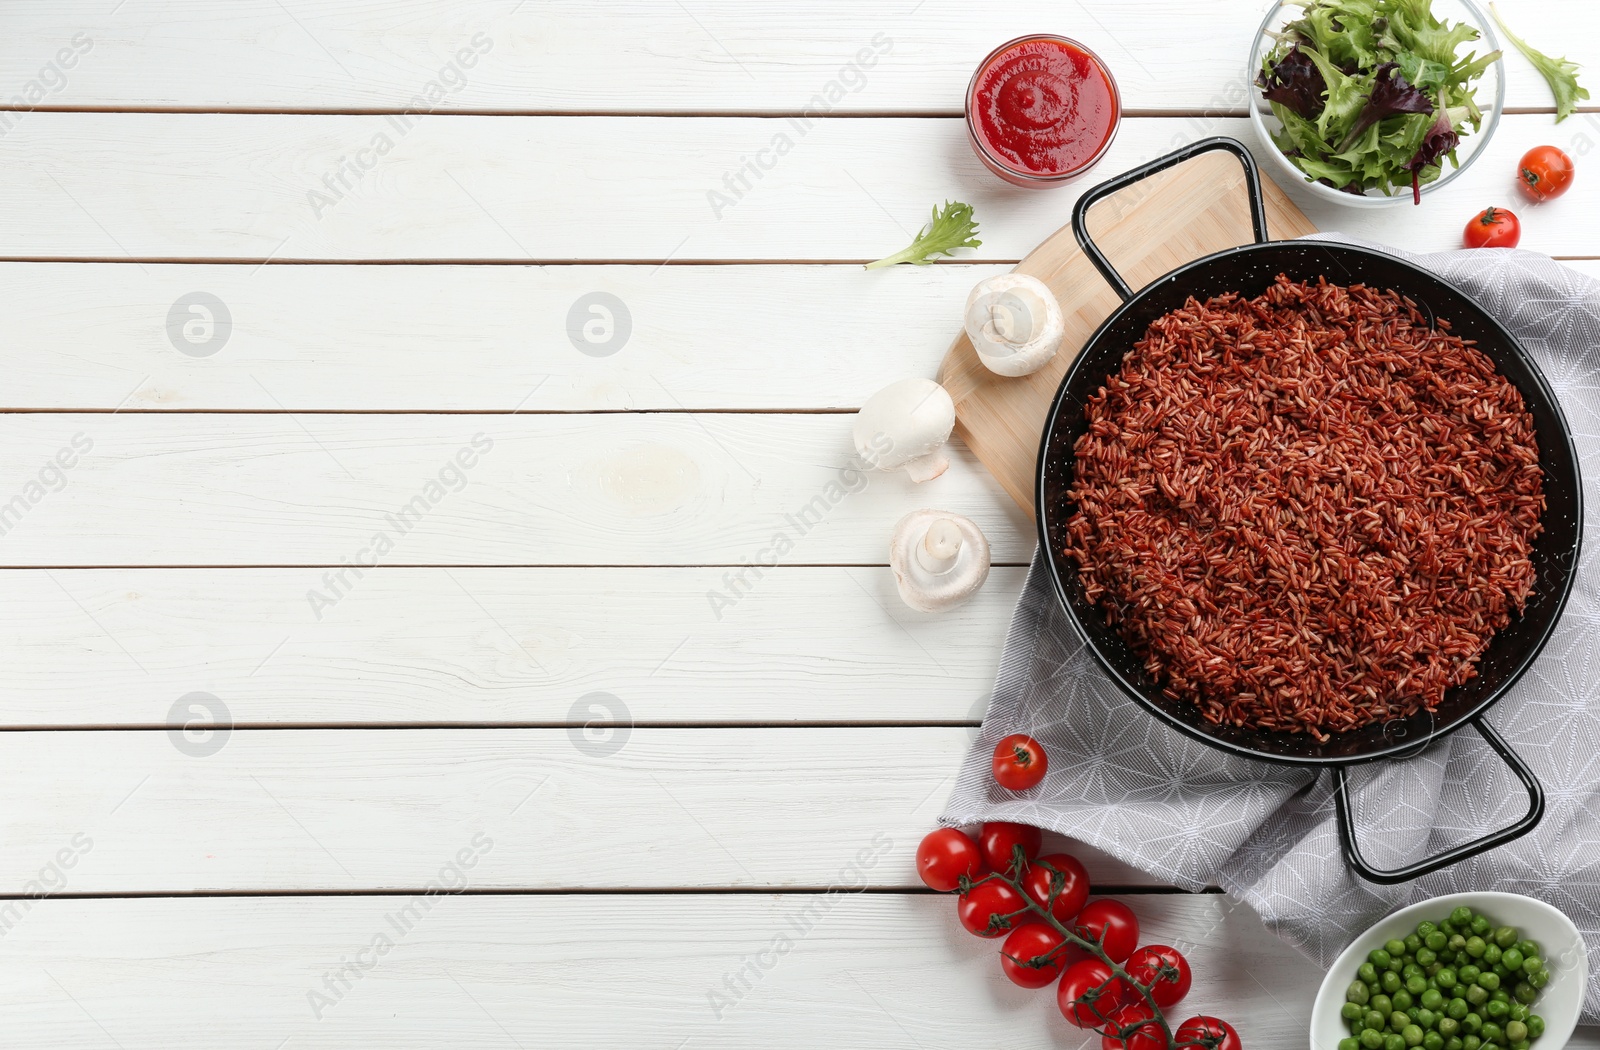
pixel 1374 102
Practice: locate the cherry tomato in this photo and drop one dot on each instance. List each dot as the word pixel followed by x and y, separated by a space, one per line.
pixel 944 856
pixel 1492 228
pixel 984 903
pixel 1144 1037
pixel 1019 762
pixel 1545 173
pixel 1072 890
pixel 1208 1033
pixel 999 838
pixel 1088 994
pixel 1110 924
pixel 1029 943
pixel 1163 970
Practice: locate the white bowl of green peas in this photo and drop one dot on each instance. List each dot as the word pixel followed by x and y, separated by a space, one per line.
pixel 1468 971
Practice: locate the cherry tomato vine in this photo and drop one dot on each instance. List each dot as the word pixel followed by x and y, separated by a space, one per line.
pixel 1156 976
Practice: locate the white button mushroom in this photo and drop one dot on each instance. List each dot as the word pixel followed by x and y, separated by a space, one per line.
pixel 1015 324
pixel 939 559
pixel 903 425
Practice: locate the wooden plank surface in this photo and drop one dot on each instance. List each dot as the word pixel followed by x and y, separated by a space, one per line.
pixel 596 972
pixel 461 490
pixel 251 811
pixel 647 511
pixel 469 338
pixel 641 56
pixel 205 186
pixel 117 647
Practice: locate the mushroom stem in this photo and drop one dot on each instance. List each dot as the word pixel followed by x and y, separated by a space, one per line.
pixel 940 548
pixel 926 468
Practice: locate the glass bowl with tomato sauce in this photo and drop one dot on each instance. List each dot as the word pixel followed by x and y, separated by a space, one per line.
pixel 1041 110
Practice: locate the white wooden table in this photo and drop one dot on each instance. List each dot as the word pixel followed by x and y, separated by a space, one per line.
pixel 254 309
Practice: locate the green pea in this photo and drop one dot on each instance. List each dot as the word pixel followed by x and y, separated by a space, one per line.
pixel 1412 1034
pixel 1500 995
pixel 1395 947
pixel 1489 981
pixel 1401 1000
pixel 1470 1042
pixel 1480 926
pixel 1516 1031
pixel 1528 948
pixel 1476 946
pixel 1454 1043
pixel 1372 1039
pixel 1435 941
pixel 1518 1012
pixel 1432 999
pixel 1412 943
pixel 1493 1011
pixel 1432 1041
pixel 1477 994
pixel 1540 979
pixel 1491 954
pixel 1358 993
pixel 1512 959
pixel 1426 1018
pixel 1457 1008
pixel 1461 916
pixel 1535 1026
pixel 1531 963
pixel 1457 942
pixel 1396 963
pixel 1416 985
pixel 1505 937
pixel 1490 1032
pixel 1390 982
pixel 1468 973
pixel 1525 992
pixel 1349 1043
pixel 1381 1004
pixel 1352 1012
pixel 1398 1020
pixel 1433 968
pixel 1445 978
pixel 1366 973
pixel 1472 1022
pixel 1375 1019
pixel 1425 927
pixel 1448 1026
pixel 1394 1041
pixel 1426 957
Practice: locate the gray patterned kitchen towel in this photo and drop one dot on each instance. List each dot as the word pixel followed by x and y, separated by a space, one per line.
pixel 1190 815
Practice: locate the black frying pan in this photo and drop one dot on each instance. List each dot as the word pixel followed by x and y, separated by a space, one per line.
pixel 1248 270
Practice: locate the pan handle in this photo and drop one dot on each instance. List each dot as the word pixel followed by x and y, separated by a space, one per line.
pixel 1080 211
pixel 1347 835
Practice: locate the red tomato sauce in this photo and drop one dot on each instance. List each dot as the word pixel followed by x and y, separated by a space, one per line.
pixel 1043 106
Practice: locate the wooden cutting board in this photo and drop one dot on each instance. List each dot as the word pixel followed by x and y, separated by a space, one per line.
pixel 1153 226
